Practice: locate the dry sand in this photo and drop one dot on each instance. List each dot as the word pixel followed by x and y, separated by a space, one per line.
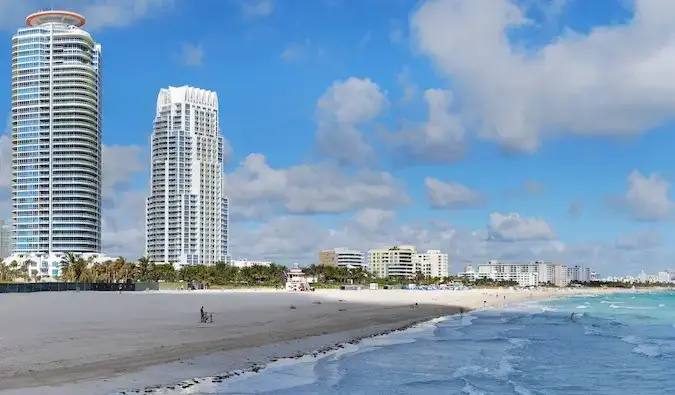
pixel 103 341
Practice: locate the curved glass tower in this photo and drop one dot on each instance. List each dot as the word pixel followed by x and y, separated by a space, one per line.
pixel 56 134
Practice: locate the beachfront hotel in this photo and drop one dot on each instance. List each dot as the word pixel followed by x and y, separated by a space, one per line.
pixel 405 261
pixel 56 137
pixel 525 274
pixel 342 257
pixel 187 212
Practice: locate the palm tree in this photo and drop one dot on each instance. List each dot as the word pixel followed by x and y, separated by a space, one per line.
pixel 5 272
pixel 143 267
pixel 67 265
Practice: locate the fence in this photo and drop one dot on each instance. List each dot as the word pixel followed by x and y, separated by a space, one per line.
pixel 56 287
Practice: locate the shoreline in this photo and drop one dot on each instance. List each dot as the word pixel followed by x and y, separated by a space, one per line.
pixel 212 358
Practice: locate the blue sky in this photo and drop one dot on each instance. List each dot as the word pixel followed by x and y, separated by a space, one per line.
pixel 545 108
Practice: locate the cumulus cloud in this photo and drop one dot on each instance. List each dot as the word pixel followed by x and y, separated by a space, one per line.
pixel 575 209
pixel 256 8
pixel 639 240
pixel 120 164
pixel 647 198
pixel 451 195
pixel 513 227
pixel 191 55
pixel 533 188
pixel 344 107
pixel 300 50
pixel 289 239
pixel 514 95
pixel 259 190
pixel 99 14
pixel 440 139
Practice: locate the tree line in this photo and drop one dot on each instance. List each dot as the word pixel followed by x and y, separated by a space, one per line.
pixel 77 269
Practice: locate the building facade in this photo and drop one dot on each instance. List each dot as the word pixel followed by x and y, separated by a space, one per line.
pixel 48 266
pixel 396 261
pixel 242 263
pixel 342 257
pixel 579 274
pixel 187 213
pixel 525 274
pixel 432 263
pixel 56 134
pixel 327 258
pixel 5 239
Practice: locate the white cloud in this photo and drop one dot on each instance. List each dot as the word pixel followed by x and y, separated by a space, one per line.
pixel 647 198
pixel 191 55
pixel 575 209
pixel 298 239
pixel 123 225
pixel 257 8
pixel 259 191
pixel 120 164
pixel 451 195
pixel 410 89
pixel 99 14
pixel 374 219
pixel 639 240
pixel 513 227
pixel 440 139
pixel 576 83
pixel 340 110
pixel 533 188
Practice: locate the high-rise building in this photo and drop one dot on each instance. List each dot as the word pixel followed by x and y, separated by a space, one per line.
pixel 187 212
pixel 56 133
pixel 432 263
pixel 5 239
pixel 395 261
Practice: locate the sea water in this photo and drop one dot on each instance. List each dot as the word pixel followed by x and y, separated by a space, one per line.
pixel 612 344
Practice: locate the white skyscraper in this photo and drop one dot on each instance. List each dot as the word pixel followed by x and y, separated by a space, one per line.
pixel 187 212
pixel 56 133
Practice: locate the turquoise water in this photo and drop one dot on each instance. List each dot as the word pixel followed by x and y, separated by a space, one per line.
pixel 615 344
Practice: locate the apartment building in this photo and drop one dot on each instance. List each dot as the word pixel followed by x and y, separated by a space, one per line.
pixel 525 274
pixel 342 257
pixel 393 261
pixel 579 273
pixel 56 136
pixel 432 263
pixel 187 220
pixel 5 239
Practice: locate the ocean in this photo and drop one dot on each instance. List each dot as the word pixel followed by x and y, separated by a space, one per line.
pixel 614 344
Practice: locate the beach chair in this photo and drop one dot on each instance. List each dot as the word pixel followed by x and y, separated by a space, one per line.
pixel 207 318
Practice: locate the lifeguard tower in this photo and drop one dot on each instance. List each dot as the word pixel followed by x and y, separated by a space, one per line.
pixel 296 281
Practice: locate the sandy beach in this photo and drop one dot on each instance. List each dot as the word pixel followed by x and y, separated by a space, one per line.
pixel 93 343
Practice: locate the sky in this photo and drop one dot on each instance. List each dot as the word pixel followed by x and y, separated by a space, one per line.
pixel 490 129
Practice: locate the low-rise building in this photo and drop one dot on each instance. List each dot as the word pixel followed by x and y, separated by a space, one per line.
pixel 49 265
pixel 468 274
pixel 241 263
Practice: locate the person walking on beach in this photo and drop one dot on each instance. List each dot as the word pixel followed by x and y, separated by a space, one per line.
pixel 201 311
